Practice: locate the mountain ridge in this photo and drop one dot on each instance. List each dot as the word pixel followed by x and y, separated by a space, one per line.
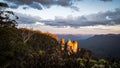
pixel 103 45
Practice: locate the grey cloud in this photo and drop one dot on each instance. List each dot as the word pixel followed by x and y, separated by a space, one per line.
pixel 60 22
pixel 45 3
pixel 27 19
pixel 75 8
pixel 89 20
pixel 101 18
pixel 106 0
pixel 13 6
pixel 36 5
pixel 25 7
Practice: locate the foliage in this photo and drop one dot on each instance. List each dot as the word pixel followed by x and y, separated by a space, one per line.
pixel 7 18
pixel 14 52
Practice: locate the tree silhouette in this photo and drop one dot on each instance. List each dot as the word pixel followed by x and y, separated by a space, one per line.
pixel 7 18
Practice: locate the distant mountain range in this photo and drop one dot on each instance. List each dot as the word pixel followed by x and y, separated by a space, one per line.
pixel 103 46
pixel 73 37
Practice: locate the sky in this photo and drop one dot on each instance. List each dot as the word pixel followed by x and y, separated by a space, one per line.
pixel 68 16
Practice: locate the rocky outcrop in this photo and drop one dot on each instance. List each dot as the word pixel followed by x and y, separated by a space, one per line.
pixel 70 46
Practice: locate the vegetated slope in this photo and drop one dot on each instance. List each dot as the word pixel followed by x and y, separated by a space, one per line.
pixel 29 48
pixel 39 40
pixel 103 45
pixel 21 47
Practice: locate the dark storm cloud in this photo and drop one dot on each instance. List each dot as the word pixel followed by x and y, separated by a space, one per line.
pixel 46 3
pixel 37 4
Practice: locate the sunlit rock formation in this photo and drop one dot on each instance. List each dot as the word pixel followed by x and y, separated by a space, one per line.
pixel 62 43
pixel 75 46
pixel 70 46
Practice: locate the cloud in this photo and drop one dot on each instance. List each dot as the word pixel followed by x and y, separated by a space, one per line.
pixel 74 8
pixel 27 19
pixel 37 4
pixel 106 0
pixel 101 18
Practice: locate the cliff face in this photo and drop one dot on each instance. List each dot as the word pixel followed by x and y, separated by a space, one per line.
pixel 69 46
pixel 75 46
pixel 62 43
